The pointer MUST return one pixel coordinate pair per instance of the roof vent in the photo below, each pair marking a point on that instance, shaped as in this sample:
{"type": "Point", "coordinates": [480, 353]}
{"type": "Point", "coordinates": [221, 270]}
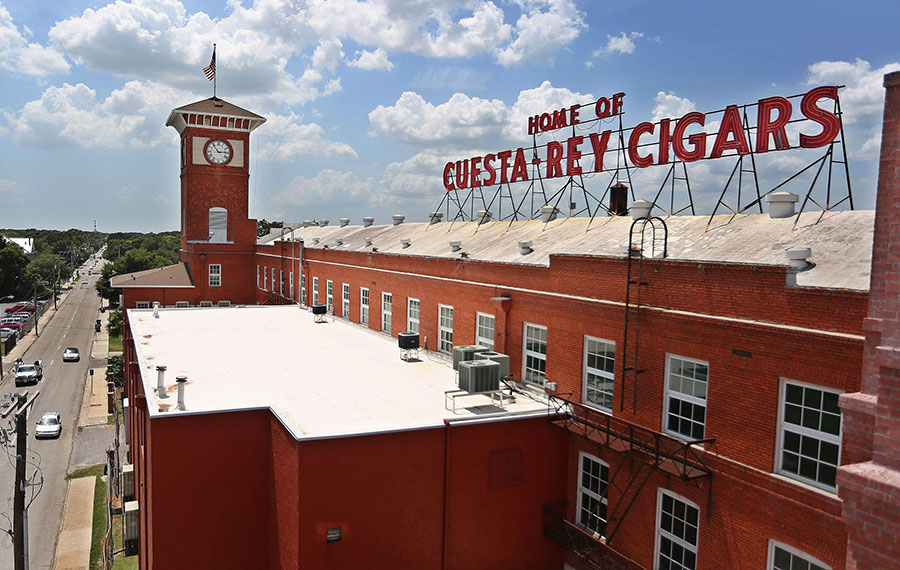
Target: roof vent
{"type": "Point", "coordinates": [640, 209]}
{"type": "Point", "coordinates": [160, 381]}
{"type": "Point", "coordinates": [368, 242]}
{"type": "Point", "coordinates": [344, 222]}
{"type": "Point", "coordinates": [323, 223]}
{"type": "Point", "coordinates": [405, 243]}
{"type": "Point", "coordinates": [181, 380]}
{"type": "Point", "coordinates": [455, 245]}
{"type": "Point", "coordinates": [548, 213]}
{"type": "Point", "coordinates": [315, 240]}
{"type": "Point", "coordinates": [781, 204]}
{"type": "Point", "coordinates": [368, 221]}
{"type": "Point", "coordinates": [398, 219]}
{"type": "Point", "coordinates": [306, 223]}
{"type": "Point", "coordinates": [339, 242]}
{"type": "Point", "coordinates": [798, 258]}
{"type": "Point", "coordinates": [155, 309]}
{"type": "Point", "coordinates": [484, 216]}
{"type": "Point", "coordinates": [618, 199]}
{"type": "Point", "coordinates": [525, 247]}
{"type": "Point", "coordinates": [435, 217]}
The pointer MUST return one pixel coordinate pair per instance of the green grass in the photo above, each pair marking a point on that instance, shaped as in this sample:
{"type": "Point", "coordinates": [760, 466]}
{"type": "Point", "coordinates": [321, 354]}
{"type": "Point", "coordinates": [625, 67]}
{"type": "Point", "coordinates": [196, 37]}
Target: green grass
{"type": "Point", "coordinates": [122, 563]}
{"type": "Point", "coordinates": [92, 471]}
{"type": "Point", "coordinates": [98, 532]}
{"type": "Point", "coordinates": [115, 343]}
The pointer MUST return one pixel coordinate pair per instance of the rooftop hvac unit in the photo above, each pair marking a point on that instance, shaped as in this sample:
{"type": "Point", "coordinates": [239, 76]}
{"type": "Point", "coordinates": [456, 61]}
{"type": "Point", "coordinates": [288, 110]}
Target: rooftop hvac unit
{"type": "Point", "coordinates": [479, 375]}
{"type": "Point", "coordinates": [128, 481]}
{"type": "Point", "coordinates": [132, 531]}
{"type": "Point", "coordinates": [319, 312]}
{"type": "Point", "coordinates": [408, 340]}
{"type": "Point", "coordinates": [464, 353]}
{"type": "Point", "coordinates": [501, 359]}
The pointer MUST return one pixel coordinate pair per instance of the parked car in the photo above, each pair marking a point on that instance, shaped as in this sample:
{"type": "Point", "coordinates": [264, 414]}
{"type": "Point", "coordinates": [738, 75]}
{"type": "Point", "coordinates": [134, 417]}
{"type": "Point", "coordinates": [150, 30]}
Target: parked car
{"type": "Point", "coordinates": [50, 425]}
{"type": "Point", "coordinates": [11, 325]}
{"type": "Point", "coordinates": [84, 281]}
{"type": "Point", "coordinates": [71, 355]}
{"type": "Point", "coordinates": [29, 373]}
{"type": "Point", "coordinates": [5, 332]}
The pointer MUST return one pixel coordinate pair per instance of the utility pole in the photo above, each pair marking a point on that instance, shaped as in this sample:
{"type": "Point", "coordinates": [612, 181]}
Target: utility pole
{"type": "Point", "coordinates": [20, 517]}
{"type": "Point", "coordinates": [55, 285]}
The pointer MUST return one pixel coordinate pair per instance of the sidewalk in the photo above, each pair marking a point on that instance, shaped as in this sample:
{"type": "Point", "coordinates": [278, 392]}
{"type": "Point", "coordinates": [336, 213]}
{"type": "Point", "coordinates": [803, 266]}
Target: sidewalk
{"type": "Point", "coordinates": [100, 347]}
{"type": "Point", "coordinates": [94, 406]}
{"type": "Point", "coordinates": [26, 341]}
{"type": "Point", "coordinates": [74, 548]}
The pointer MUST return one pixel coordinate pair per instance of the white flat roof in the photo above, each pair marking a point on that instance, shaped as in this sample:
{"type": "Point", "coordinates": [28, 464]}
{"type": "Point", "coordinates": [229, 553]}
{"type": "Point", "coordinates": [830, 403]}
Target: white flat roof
{"type": "Point", "coordinates": [322, 380]}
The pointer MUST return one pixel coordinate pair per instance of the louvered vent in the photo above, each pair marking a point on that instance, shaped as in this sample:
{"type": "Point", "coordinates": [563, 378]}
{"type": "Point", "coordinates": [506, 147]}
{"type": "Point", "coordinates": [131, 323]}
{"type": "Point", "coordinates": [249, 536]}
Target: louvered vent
{"type": "Point", "coordinates": [505, 468]}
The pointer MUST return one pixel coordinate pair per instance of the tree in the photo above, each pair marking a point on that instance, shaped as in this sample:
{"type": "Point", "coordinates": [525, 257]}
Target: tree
{"type": "Point", "coordinates": [114, 326]}
{"type": "Point", "coordinates": [131, 261]}
{"type": "Point", "coordinates": [115, 367]}
{"type": "Point", "coordinates": [13, 263]}
{"type": "Point", "coordinates": [263, 226]}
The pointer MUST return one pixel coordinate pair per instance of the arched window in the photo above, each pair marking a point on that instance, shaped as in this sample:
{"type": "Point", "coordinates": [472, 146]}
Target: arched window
{"type": "Point", "coordinates": [218, 225]}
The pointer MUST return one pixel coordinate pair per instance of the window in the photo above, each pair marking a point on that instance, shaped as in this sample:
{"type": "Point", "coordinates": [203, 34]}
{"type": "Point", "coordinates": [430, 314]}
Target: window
{"type": "Point", "coordinates": [273, 279]}
{"type": "Point", "coordinates": [484, 330]}
{"type": "Point", "coordinates": [329, 295]}
{"type": "Point", "coordinates": [224, 303]}
{"type": "Point", "coordinates": [265, 279]}
{"type": "Point", "coordinates": [386, 302]}
{"type": "Point", "coordinates": [810, 429]}
{"type": "Point", "coordinates": [315, 290]}
{"type": "Point", "coordinates": [445, 329]}
{"type": "Point", "coordinates": [257, 276]}
{"type": "Point", "coordinates": [599, 373]}
{"type": "Point", "coordinates": [412, 315]}
{"type": "Point", "coordinates": [784, 557]}
{"type": "Point", "coordinates": [345, 300]}
{"type": "Point", "coordinates": [685, 410]}
{"type": "Point", "coordinates": [218, 225]}
{"type": "Point", "coordinates": [215, 275]}
{"type": "Point", "coordinates": [281, 282]}
{"type": "Point", "coordinates": [291, 290]}
{"type": "Point", "coordinates": [206, 303]}
{"type": "Point", "coordinates": [142, 305]}
{"type": "Point", "coordinates": [302, 289]}
{"type": "Point", "coordinates": [593, 482]}
{"type": "Point", "coordinates": [677, 529]}
{"type": "Point", "coordinates": [182, 304]}
{"type": "Point", "coordinates": [534, 357]}
{"type": "Point", "coordinates": [363, 306]}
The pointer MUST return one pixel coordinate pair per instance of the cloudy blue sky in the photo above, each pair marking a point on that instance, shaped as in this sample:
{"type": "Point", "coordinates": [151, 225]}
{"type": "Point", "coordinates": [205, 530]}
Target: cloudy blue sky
{"type": "Point", "coordinates": [366, 100]}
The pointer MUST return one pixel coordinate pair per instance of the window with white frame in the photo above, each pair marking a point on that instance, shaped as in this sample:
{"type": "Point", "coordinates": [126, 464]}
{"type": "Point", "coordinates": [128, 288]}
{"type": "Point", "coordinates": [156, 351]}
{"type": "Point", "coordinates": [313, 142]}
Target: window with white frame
{"type": "Point", "coordinates": [677, 531]}
{"type": "Point", "coordinates": [534, 353]}
{"type": "Point", "coordinates": [345, 300]}
{"type": "Point", "coordinates": [484, 330]}
{"type": "Point", "coordinates": [281, 282]}
{"type": "Point", "coordinates": [685, 409]}
{"type": "Point", "coordinates": [265, 279]}
{"type": "Point", "coordinates": [387, 300]}
{"type": "Point", "coordinates": [273, 280]}
{"type": "Point", "coordinates": [182, 304]}
{"type": "Point", "coordinates": [315, 291]}
{"type": "Point", "coordinates": [412, 315]}
{"type": "Point", "coordinates": [810, 433]}
{"type": "Point", "coordinates": [142, 305]}
{"type": "Point", "coordinates": [206, 303]}
{"type": "Point", "coordinates": [291, 289]}
{"type": "Point", "coordinates": [329, 295]}
{"type": "Point", "coordinates": [363, 306]}
{"type": "Point", "coordinates": [599, 373]}
{"type": "Point", "coordinates": [445, 329]}
{"type": "Point", "coordinates": [593, 482]}
{"type": "Point", "coordinates": [224, 303]}
{"type": "Point", "coordinates": [215, 275]}
{"type": "Point", "coordinates": [302, 289]}
{"type": "Point", "coordinates": [257, 276]}
{"type": "Point", "coordinates": [784, 557]}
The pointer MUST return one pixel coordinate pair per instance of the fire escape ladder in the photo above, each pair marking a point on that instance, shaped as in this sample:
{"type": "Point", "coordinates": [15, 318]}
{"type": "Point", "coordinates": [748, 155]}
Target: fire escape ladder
{"type": "Point", "coordinates": [636, 482]}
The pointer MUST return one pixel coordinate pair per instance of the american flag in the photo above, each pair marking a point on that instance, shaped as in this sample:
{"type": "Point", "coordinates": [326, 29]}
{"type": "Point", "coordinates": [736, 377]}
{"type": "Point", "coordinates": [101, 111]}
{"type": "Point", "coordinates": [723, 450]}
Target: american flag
{"type": "Point", "coordinates": [210, 70]}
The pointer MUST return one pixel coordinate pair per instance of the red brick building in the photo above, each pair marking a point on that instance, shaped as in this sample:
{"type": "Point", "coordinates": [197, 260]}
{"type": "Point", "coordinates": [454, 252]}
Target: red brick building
{"type": "Point", "coordinates": [671, 410]}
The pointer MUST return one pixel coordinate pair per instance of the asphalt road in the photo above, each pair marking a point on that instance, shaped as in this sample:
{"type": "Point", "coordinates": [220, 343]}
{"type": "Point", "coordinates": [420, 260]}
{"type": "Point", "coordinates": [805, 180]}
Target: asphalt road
{"type": "Point", "coordinates": [61, 390]}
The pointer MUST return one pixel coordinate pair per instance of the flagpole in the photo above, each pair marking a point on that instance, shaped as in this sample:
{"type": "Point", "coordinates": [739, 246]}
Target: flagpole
{"type": "Point", "coordinates": [214, 74]}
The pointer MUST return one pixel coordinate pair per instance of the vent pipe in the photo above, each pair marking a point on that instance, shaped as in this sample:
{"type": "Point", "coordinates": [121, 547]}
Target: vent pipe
{"type": "Point", "coordinates": [618, 200]}
{"type": "Point", "coordinates": [548, 213]}
{"type": "Point", "coordinates": [640, 209]}
{"type": "Point", "coordinates": [161, 381]}
{"type": "Point", "coordinates": [484, 216]}
{"type": "Point", "coordinates": [339, 241]}
{"type": "Point", "coordinates": [155, 309]}
{"type": "Point", "coordinates": [525, 247]}
{"type": "Point", "coordinates": [368, 242]}
{"type": "Point", "coordinates": [181, 380]}
{"type": "Point", "coordinates": [368, 221]}
{"type": "Point", "coordinates": [405, 242]}
{"type": "Point", "coordinates": [435, 217]}
{"type": "Point", "coordinates": [344, 222]}
{"type": "Point", "coordinates": [781, 204]}
{"type": "Point", "coordinates": [323, 223]}
{"type": "Point", "coordinates": [455, 245]}
{"type": "Point", "coordinates": [315, 241]}
{"type": "Point", "coordinates": [798, 258]}
{"type": "Point", "coordinates": [398, 219]}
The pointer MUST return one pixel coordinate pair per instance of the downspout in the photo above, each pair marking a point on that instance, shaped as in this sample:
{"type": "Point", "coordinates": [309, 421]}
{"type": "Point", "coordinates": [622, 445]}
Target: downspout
{"type": "Point", "coordinates": [300, 276]}
{"type": "Point", "coordinates": [446, 523]}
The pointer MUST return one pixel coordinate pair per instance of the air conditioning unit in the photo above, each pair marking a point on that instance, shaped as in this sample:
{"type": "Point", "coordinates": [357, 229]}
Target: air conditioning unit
{"type": "Point", "coordinates": [128, 481]}
{"type": "Point", "coordinates": [479, 376]}
{"type": "Point", "coordinates": [408, 340]}
{"type": "Point", "coordinates": [132, 531]}
{"type": "Point", "coordinates": [466, 352]}
{"type": "Point", "coordinates": [502, 359]}
{"type": "Point", "coordinates": [319, 309]}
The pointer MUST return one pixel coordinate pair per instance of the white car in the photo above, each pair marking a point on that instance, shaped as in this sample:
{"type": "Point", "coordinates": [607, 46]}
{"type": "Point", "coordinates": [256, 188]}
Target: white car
{"type": "Point", "coordinates": [71, 355]}
{"type": "Point", "coordinates": [84, 281]}
{"type": "Point", "coordinates": [50, 425]}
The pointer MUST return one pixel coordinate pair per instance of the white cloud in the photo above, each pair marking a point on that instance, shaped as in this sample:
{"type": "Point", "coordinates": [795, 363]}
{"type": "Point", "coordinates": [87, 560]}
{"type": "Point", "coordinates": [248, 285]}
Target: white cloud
{"type": "Point", "coordinates": [328, 54]}
{"type": "Point", "coordinates": [620, 44]}
{"type": "Point", "coordinates": [286, 137]}
{"type": "Point", "coordinates": [325, 187]}
{"type": "Point", "coordinates": [671, 105]}
{"type": "Point", "coordinates": [372, 60]}
{"type": "Point", "coordinates": [540, 33]}
{"type": "Point", "coordinates": [18, 55]}
{"type": "Point", "coordinates": [863, 97]}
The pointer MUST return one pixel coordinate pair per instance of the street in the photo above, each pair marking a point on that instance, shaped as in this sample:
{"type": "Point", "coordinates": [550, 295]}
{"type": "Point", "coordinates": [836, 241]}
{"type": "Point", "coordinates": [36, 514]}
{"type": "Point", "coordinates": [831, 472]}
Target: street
{"type": "Point", "coordinates": [61, 390]}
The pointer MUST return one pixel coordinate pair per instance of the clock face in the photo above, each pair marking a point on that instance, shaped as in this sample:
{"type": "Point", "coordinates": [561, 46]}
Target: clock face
{"type": "Point", "coordinates": [218, 151]}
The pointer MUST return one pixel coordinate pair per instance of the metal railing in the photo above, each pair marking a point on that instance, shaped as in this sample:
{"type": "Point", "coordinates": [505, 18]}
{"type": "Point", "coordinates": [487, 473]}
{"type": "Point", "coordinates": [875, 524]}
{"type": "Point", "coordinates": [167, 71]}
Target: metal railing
{"type": "Point", "coordinates": [590, 548]}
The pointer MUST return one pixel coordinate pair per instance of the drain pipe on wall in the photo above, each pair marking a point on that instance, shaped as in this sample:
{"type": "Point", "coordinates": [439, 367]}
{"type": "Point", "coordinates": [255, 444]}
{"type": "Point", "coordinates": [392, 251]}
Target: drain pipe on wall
{"type": "Point", "coordinates": [446, 523]}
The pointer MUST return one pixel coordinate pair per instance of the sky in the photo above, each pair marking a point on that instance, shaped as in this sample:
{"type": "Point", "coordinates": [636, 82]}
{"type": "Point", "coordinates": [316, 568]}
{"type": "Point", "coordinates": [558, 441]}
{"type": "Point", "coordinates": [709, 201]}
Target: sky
{"type": "Point", "coordinates": [367, 100]}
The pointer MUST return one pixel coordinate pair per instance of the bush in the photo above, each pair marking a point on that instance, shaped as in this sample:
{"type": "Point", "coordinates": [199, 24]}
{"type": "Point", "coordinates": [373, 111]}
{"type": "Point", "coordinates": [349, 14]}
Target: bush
{"type": "Point", "coordinates": [115, 367]}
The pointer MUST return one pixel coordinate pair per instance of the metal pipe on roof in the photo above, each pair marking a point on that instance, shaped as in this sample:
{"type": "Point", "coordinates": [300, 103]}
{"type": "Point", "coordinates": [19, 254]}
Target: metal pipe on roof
{"type": "Point", "coordinates": [181, 380]}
